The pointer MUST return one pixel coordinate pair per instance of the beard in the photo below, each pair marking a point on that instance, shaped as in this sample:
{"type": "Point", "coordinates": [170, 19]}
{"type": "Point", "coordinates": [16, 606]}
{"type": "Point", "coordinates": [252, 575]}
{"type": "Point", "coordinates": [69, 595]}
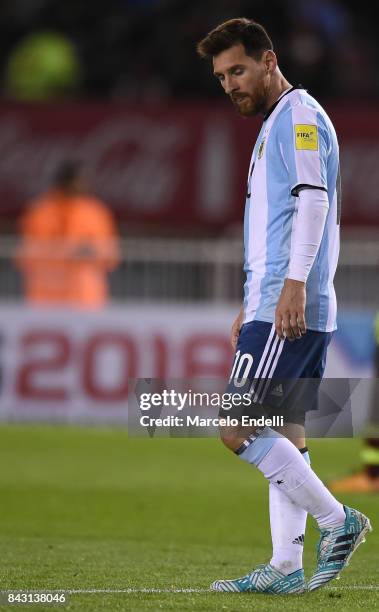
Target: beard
{"type": "Point", "coordinates": [249, 105]}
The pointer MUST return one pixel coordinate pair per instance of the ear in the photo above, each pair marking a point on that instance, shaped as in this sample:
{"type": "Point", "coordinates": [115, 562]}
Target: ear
{"type": "Point", "coordinates": [270, 61]}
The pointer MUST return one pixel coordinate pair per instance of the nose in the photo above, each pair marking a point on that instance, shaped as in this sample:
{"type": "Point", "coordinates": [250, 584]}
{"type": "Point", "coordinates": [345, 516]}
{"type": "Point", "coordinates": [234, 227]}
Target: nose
{"type": "Point", "coordinates": [230, 85]}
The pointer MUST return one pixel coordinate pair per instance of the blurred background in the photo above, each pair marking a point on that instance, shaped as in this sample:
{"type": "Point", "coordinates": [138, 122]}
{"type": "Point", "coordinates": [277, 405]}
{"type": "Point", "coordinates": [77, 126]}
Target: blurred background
{"type": "Point", "coordinates": [122, 184]}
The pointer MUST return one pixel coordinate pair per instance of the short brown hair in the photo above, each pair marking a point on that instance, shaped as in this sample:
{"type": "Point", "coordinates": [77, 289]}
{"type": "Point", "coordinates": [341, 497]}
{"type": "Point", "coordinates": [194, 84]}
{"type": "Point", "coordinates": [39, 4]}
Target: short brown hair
{"type": "Point", "coordinates": [243, 31]}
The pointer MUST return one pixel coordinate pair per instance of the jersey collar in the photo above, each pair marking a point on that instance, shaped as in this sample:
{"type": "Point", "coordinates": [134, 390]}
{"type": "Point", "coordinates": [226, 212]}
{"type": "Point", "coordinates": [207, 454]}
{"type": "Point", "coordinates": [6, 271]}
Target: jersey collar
{"type": "Point", "coordinates": [273, 107]}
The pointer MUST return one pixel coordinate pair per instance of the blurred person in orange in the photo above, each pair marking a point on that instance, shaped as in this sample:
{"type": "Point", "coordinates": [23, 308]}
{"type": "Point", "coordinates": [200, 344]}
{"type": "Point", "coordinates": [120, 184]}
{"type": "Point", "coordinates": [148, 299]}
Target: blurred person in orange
{"type": "Point", "coordinates": [69, 244]}
{"type": "Point", "coordinates": [366, 478]}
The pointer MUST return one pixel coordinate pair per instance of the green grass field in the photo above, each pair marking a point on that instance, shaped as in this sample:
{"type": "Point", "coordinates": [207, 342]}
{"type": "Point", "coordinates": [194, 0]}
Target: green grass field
{"type": "Point", "coordinates": [88, 509]}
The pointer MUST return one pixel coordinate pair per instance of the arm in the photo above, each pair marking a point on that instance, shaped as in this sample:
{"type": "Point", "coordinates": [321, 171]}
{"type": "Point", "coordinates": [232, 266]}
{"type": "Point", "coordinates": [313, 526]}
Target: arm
{"type": "Point", "coordinates": [99, 242]}
{"type": "Point", "coordinates": [308, 231]}
{"type": "Point", "coordinates": [304, 143]}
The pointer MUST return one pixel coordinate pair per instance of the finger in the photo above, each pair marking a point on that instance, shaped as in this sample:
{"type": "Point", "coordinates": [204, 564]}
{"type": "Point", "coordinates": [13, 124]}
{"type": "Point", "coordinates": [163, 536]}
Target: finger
{"type": "Point", "coordinates": [288, 333]}
{"type": "Point", "coordinates": [294, 326]}
{"type": "Point", "coordinates": [234, 338]}
{"type": "Point", "coordinates": [301, 323]}
{"type": "Point", "coordinates": [279, 326]}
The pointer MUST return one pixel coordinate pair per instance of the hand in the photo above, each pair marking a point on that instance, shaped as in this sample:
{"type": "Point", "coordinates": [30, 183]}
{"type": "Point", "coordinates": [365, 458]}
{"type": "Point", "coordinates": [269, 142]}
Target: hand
{"type": "Point", "coordinates": [84, 251]}
{"type": "Point", "coordinates": [290, 310]}
{"type": "Point", "coordinates": [235, 331]}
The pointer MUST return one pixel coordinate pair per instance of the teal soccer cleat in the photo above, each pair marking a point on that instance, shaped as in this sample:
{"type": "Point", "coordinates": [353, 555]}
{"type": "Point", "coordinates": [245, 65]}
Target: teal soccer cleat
{"type": "Point", "coordinates": [264, 579]}
{"type": "Point", "coordinates": [336, 546]}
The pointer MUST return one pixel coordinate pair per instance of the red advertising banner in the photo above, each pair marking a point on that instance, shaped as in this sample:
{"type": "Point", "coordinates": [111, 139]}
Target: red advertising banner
{"type": "Point", "coordinates": [178, 165]}
{"type": "Point", "coordinates": [74, 365]}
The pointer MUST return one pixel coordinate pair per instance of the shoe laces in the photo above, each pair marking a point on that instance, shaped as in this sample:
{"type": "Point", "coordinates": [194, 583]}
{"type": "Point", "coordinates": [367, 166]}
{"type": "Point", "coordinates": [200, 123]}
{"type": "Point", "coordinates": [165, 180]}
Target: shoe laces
{"type": "Point", "coordinates": [324, 541]}
{"type": "Point", "coordinates": [262, 568]}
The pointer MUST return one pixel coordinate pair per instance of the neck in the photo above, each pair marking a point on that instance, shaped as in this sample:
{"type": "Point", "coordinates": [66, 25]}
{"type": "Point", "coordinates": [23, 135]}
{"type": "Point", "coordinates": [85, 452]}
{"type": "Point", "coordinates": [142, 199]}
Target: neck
{"type": "Point", "coordinates": [278, 85]}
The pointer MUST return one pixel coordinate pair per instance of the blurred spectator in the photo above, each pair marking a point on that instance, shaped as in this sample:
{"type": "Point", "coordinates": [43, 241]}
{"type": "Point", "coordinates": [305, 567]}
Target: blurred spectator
{"type": "Point", "coordinates": [68, 244]}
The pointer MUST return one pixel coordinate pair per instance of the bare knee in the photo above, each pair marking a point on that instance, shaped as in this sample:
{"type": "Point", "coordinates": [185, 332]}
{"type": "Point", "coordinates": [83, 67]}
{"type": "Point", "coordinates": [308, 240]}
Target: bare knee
{"type": "Point", "coordinates": [234, 437]}
{"type": "Point", "coordinates": [231, 442]}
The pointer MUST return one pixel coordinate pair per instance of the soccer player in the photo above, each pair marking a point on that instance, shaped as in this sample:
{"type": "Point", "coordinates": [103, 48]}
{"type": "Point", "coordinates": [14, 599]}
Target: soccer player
{"type": "Point", "coordinates": [291, 234]}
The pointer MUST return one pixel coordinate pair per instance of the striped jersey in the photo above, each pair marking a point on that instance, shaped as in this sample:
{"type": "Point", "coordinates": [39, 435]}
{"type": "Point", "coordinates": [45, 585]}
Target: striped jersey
{"type": "Point", "coordinates": [296, 147]}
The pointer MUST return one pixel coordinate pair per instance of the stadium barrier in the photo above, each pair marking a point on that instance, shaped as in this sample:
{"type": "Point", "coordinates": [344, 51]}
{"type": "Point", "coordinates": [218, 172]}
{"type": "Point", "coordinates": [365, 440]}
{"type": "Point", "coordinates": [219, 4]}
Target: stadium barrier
{"type": "Point", "coordinates": [203, 270]}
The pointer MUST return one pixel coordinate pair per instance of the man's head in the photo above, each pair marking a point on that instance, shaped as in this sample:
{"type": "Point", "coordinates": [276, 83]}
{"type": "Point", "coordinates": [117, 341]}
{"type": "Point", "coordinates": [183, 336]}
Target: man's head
{"type": "Point", "coordinates": [71, 178]}
{"type": "Point", "coordinates": [243, 61]}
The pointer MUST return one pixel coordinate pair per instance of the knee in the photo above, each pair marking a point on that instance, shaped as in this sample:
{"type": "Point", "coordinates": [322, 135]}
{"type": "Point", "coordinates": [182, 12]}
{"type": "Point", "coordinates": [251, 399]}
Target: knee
{"type": "Point", "coordinates": [231, 438]}
{"type": "Point", "coordinates": [234, 437]}
{"type": "Point", "coordinates": [229, 441]}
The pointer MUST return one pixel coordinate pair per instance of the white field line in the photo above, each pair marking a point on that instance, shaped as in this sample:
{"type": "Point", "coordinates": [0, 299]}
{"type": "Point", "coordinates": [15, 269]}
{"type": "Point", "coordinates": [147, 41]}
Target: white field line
{"type": "Point", "coordinates": [356, 587]}
{"type": "Point", "coordinates": [353, 587]}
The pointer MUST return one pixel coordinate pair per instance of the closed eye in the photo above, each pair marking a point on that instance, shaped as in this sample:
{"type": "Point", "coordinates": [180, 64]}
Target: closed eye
{"type": "Point", "coordinates": [234, 71]}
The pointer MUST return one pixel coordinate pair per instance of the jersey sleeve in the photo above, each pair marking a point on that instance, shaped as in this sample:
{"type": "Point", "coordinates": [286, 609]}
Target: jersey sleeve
{"type": "Point", "coordinates": [303, 141]}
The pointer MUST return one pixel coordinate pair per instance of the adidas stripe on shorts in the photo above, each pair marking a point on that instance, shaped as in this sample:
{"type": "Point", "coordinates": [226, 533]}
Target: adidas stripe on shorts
{"type": "Point", "coordinates": [278, 374]}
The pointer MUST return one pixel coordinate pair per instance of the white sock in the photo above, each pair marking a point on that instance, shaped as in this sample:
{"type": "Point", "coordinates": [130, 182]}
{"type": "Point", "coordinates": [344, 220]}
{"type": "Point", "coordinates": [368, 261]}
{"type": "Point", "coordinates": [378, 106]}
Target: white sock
{"type": "Point", "coordinates": [287, 521]}
{"type": "Point", "coordinates": [282, 464]}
